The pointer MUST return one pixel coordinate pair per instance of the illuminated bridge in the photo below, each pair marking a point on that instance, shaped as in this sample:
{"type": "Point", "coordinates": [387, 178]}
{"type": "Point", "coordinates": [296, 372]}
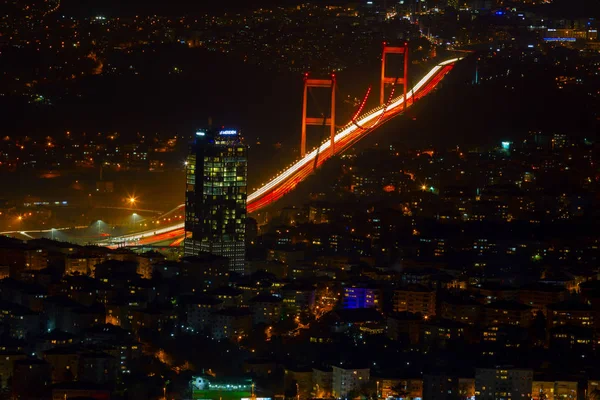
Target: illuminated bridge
{"type": "Point", "coordinates": [347, 136]}
{"type": "Point", "coordinates": [359, 126]}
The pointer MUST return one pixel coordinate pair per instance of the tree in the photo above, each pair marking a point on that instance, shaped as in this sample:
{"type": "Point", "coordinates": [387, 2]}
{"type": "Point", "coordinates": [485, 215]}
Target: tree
{"type": "Point", "coordinates": [538, 329]}
{"type": "Point", "coordinates": [401, 391]}
{"type": "Point", "coordinates": [368, 391]}
{"type": "Point", "coordinates": [68, 375]}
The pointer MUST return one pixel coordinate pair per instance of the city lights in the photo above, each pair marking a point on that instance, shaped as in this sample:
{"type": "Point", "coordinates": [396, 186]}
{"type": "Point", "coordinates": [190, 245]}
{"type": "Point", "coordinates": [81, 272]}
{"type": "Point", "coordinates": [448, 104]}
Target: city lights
{"type": "Point", "coordinates": [432, 234]}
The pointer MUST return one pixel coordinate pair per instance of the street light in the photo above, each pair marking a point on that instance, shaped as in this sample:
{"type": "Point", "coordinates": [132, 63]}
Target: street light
{"type": "Point", "coordinates": [101, 227]}
{"type": "Point", "coordinates": [134, 217]}
{"type": "Point", "coordinates": [132, 200]}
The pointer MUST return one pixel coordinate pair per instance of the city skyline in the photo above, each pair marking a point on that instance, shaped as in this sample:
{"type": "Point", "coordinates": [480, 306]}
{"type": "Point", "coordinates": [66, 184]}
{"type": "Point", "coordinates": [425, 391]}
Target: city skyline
{"type": "Point", "coordinates": [391, 200]}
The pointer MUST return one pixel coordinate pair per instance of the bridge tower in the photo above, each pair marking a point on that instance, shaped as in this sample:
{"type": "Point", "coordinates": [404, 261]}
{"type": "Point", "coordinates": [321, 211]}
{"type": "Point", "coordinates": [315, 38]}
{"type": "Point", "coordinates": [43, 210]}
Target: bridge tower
{"type": "Point", "coordinates": [394, 80]}
{"type": "Point", "coordinates": [318, 83]}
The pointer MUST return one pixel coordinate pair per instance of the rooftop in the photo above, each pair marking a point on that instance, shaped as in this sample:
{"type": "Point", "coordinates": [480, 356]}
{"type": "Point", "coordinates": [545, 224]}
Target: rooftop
{"type": "Point", "coordinates": [357, 315]}
{"type": "Point", "coordinates": [266, 298]}
{"type": "Point", "coordinates": [508, 305]}
{"type": "Point", "coordinates": [570, 305]}
{"type": "Point", "coordinates": [234, 312]}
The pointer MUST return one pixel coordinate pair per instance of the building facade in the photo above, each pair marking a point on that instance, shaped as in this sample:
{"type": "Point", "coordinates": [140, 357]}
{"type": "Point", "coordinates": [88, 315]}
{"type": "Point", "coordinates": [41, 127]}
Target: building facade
{"type": "Point", "coordinates": [551, 390]}
{"type": "Point", "coordinates": [503, 383]}
{"type": "Point", "coordinates": [216, 191]}
{"type": "Point", "coordinates": [414, 299]}
{"type": "Point", "coordinates": [346, 380]}
{"type": "Point", "coordinates": [362, 297]}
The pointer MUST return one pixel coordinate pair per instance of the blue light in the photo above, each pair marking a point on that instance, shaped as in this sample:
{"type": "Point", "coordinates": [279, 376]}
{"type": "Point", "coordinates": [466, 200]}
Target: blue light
{"type": "Point", "coordinates": [559, 39]}
{"type": "Point", "coordinates": [228, 132]}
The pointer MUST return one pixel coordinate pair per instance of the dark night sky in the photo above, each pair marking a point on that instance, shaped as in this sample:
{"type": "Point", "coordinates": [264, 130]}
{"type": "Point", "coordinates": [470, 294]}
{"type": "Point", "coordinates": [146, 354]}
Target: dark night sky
{"type": "Point", "coordinates": [560, 8]}
{"type": "Point", "coordinates": [164, 7]}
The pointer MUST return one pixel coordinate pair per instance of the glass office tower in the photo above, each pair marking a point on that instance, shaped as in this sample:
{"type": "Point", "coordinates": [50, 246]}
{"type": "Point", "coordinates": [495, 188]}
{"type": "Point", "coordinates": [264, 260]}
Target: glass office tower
{"type": "Point", "coordinates": [215, 197]}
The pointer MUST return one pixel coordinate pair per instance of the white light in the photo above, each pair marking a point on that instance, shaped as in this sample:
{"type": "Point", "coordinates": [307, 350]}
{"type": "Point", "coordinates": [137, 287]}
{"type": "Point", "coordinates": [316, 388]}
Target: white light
{"type": "Point", "coordinates": [150, 233]}
{"type": "Point", "coordinates": [228, 132]}
{"type": "Point", "coordinates": [200, 133]}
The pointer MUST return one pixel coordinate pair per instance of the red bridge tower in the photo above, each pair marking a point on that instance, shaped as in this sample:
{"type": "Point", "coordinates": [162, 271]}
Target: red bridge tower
{"type": "Point", "coordinates": [318, 83]}
{"type": "Point", "coordinates": [393, 80]}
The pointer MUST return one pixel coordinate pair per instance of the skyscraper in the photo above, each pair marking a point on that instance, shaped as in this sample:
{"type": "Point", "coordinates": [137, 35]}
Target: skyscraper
{"type": "Point", "coordinates": [215, 199]}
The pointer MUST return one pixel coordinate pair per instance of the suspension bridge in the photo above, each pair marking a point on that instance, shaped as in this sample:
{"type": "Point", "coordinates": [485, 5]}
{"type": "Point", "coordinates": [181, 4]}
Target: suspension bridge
{"type": "Point", "coordinates": [361, 124]}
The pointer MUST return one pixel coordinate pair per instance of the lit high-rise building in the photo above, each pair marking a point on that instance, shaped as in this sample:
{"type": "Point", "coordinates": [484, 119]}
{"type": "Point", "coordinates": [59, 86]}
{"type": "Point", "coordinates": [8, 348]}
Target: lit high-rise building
{"type": "Point", "coordinates": [215, 197]}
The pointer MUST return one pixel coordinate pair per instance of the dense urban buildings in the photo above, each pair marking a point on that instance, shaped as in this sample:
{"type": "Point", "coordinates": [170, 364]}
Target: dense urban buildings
{"type": "Point", "coordinates": [216, 191]}
{"type": "Point", "coordinates": [450, 253]}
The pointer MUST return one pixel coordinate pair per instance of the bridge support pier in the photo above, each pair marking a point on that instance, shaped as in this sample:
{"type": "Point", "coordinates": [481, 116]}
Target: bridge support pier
{"type": "Point", "coordinates": [393, 80]}
{"type": "Point", "coordinates": [306, 121]}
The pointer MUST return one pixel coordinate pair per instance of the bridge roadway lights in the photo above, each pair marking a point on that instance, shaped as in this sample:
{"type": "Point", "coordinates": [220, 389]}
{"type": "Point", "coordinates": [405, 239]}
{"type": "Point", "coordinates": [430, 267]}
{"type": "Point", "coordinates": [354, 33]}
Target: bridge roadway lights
{"type": "Point", "coordinates": [275, 188]}
{"type": "Point", "coordinates": [393, 80]}
{"type": "Point", "coordinates": [317, 83]}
